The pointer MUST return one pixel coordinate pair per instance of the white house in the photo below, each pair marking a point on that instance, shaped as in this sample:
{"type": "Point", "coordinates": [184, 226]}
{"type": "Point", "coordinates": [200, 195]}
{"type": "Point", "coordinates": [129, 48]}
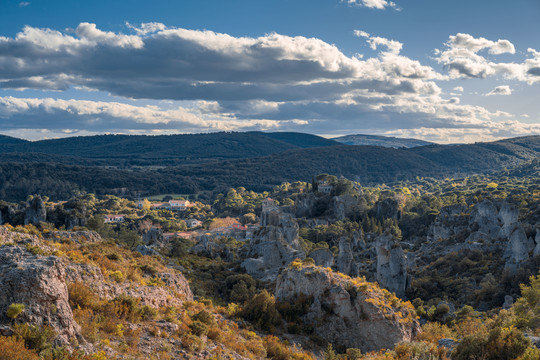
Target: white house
{"type": "Point", "coordinates": [114, 218]}
{"type": "Point", "coordinates": [179, 205]}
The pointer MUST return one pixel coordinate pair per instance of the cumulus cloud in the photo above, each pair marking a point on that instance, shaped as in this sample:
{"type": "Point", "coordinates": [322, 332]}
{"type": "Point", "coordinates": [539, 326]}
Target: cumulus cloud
{"type": "Point", "coordinates": [459, 89]}
{"type": "Point", "coordinates": [236, 83]}
{"type": "Point", "coordinates": [462, 59]}
{"type": "Point", "coordinates": [500, 90]}
{"type": "Point", "coordinates": [24, 3]}
{"type": "Point", "coordinates": [100, 116]}
{"type": "Point", "coordinates": [373, 4]}
{"type": "Point", "coordinates": [180, 64]}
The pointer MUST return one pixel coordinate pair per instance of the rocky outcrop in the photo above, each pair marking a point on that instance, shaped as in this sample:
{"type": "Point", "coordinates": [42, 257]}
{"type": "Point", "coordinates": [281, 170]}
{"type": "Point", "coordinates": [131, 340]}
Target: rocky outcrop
{"type": "Point", "coordinates": [153, 236]}
{"type": "Point", "coordinates": [273, 246]}
{"type": "Point", "coordinates": [518, 249]}
{"type": "Point", "coordinates": [345, 261]}
{"type": "Point", "coordinates": [174, 293]}
{"type": "Point", "coordinates": [322, 257]}
{"type": "Point", "coordinates": [391, 265]}
{"type": "Point", "coordinates": [35, 211]}
{"type": "Point", "coordinates": [38, 282]}
{"type": "Point", "coordinates": [76, 236]}
{"type": "Point", "coordinates": [342, 206]}
{"type": "Point", "coordinates": [347, 312]}
{"type": "Point", "coordinates": [537, 241]}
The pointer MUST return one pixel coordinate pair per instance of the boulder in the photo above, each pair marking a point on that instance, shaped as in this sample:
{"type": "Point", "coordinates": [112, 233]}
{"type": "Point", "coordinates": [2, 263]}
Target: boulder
{"type": "Point", "coordinates": [38, 282]}
{"type": "Point", "coordinates": [347, 312]}
{"type": "Point", "coordinates": [391, 265]}
{"type": "Point", "coordinates": [342, 206]}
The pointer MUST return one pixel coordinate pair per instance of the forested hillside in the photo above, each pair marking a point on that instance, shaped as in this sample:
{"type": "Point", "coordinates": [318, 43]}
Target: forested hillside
{"type": "Point", "coordinates": [57, 176]}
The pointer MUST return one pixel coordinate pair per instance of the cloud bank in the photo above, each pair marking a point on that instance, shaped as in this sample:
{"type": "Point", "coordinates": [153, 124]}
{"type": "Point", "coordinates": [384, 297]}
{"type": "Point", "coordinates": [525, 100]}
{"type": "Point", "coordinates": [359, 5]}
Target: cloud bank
{"type": "Point", "coordinates": [244, 83]}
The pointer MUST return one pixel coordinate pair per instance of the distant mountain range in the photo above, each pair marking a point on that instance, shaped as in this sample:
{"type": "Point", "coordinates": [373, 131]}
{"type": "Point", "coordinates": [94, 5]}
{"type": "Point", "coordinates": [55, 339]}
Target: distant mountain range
{"type": "Point", "coordinates": [215, 162]}
{"type": "Point", "coordinates": [385, 141]}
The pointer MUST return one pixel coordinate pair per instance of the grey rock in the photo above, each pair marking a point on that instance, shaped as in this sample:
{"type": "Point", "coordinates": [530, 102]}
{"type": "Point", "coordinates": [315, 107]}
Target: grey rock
{"type": "Point", "coordinates": [508, 302]}
{"type": "Point", "coordinates": [391, 265]}
{"type": "Point", "coordinates": [537, 241]}
{"type": "Point", "coordinates": [38, 282]}
{"type": "Point", "coordinates": [273, 246]}
{"type": "Point", "coordinates": [146, 250]}
{"type": "Point", "coordinates": [35, 212]}
{"type": "Point", "coordinates": [517, 249]}
{"type": "Point", "coordinates": [447, 343]}
{"type": "Point", "coordinates": [345, 260]}
{"type": "Point", "coordinates": [341, 316]}
{"type": "Point", "coordinates": [154, 236]}
{"type": "Point", "coordinates": [322, 257]}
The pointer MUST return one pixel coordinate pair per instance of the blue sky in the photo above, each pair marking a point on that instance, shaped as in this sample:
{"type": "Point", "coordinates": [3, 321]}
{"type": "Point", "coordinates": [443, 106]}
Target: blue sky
{"type": "Point", "coordinates": [445, 71]}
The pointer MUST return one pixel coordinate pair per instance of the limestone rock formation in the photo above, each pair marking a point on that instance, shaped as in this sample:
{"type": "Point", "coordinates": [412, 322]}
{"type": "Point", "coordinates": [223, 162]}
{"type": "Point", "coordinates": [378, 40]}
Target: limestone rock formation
{"type": "Point", "coordinates": [537, 241]}
{"type": "Point", "coordinates": [517, 249]}
{"type": "Point", "coordinates": [322, 257]}
{"type": "Point", "coordinates": [356, 314]}
{"type": "Point", "coordinates": [174, 293]}
{"type": "Point", "coordinates": [342, 206]}
{"type": "Point", "coordinates": [38, 282]}
{"type": "Point", "coordinates": [35, 211]}
{"type": "Point", "coordinates": [153, 236]}
{"type": "Point", "coordinates": [76, 236]}
{"type": "Point", "coordinates": [273, 246]}
{"type": "Point", "coordinates": [345, 260]}
{"type": "Point", "coordinates": [391, 265]}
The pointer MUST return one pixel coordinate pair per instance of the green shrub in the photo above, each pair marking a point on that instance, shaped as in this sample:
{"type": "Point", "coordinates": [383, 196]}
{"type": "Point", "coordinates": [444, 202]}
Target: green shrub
{"type": "Point", "coordinates": [262, 311]}
{"type": "Point", "coordinates": [198, 328]}
{"type": "Point", "coordinates": [14, 310]}
{"type": "Point", "coordinates": [204, 317]}
{"type": "Point", "coordinates": [35, 337]}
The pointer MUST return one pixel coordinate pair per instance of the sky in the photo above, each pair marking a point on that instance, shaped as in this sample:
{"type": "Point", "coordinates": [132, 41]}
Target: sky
{"type": "Point", "coordinates": [444, 71]}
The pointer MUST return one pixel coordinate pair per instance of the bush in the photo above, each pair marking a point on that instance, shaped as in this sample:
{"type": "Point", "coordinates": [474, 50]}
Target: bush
{"type": "Point", "coordinates": [81, 296]}
{"type": "Point", "coordinates": [198, 328]}
{"type": "Point", "coordinates": [204, 317]}
{"type": "Point", "coordinates": [501, 343]}
{"type": "Point", "coordinates": [14, 310]}
{"type": "Point", "coordinates": [35, 337]}
{"type": "Point", "coordinates": [262, 311]}
{"type": "Point", "coordinates": [13, 348]}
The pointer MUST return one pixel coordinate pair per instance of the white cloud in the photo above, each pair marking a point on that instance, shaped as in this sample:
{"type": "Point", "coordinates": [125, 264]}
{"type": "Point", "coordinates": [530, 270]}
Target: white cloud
{"type": "Point", "coordinates": [500, 90]}
{"type": "Point", "coordinates": [238, 83]}
{"type": "Point", "coordinates": [459, 89]}
{"type": "Point", "coordinates": [24, 3]}
{"type": "Point", "coordinates": [373, 4]}
{"type": "Point", "coordinates": [462, 59]}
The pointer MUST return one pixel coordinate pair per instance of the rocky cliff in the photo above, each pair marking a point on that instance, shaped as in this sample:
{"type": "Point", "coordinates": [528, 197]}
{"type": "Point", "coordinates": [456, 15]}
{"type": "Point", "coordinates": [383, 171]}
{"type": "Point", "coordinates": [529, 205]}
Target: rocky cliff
{"type": "Point", "coordinates": [348, 312]}
{"type": "Point", "coordinates": [273, 246]}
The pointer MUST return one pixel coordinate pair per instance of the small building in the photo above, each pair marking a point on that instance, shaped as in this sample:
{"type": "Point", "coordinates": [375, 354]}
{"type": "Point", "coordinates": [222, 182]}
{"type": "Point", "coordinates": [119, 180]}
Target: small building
{"type": "Point", "coordinates": [325, 188]}
{"type": "Point", "coordinates": [191, 223]}
{"type": "Point", "coordinates": [179, 205]}
{"type": "Point", "coordinates": [114, 218]}
{"type": "Point", "coordinates": [268, 203]}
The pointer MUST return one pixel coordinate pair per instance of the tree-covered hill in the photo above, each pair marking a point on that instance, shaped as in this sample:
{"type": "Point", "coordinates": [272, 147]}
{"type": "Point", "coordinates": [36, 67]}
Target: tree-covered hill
{"type": "Point", "coordinates": [23, 174]}
{"type": "Point", "coordinates": [126, 150]}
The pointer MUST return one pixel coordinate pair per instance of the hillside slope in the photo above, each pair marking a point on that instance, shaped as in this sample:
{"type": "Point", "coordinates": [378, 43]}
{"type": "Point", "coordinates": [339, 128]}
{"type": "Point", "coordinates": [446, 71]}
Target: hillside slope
{"type": "Point", "coordinates": [385, 141]}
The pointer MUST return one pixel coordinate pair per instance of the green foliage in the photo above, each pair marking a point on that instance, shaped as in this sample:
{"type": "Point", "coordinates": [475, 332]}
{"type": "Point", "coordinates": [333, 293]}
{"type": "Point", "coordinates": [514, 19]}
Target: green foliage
{"type": "Point", "coordinates": [35, 337]}
{"type": "Point", "coordinates": [501, 343]}
{"type": "Point", "coordinates": [262, 311]}
{"type": "Point", "coordinates": [204, 317]}
{"type": "Point", "coordinates": [14, 310]}
{"type": "Point", "coordinates": [198, 328]}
